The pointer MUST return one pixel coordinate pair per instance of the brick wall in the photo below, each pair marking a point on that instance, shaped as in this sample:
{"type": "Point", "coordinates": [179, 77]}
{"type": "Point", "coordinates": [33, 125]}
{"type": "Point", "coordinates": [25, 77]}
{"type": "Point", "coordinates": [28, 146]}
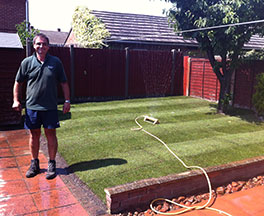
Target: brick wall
{"type": "Point", "coordinates": [71, 40]}
{"type": "Point", "coordinates": [141, 193]}
{"type": "Point", "coordinates": [12, 12]}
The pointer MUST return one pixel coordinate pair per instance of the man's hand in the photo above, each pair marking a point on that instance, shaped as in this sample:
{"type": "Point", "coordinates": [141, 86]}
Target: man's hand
{"type": "Point", "coordinates": [66, 107]}
{"type": "Point", "coordinates": [17, 106]}
{"type": "Point", "coordinates": [66, 92]}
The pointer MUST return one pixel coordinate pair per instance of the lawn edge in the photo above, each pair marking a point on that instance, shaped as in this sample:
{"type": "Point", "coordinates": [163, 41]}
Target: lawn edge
{"type": "Point", "coordinates": [139, 194]}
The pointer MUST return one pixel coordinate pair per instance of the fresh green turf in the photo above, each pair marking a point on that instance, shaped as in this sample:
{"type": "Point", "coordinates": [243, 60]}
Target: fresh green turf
{"type": "Point", "coordinates": [97, 142]}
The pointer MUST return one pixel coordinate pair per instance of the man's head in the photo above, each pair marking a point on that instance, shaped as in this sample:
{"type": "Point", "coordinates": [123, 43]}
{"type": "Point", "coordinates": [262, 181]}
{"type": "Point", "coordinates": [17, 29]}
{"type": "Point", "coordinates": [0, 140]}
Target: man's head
{"type": "Point", "coordinates": [41, 44]}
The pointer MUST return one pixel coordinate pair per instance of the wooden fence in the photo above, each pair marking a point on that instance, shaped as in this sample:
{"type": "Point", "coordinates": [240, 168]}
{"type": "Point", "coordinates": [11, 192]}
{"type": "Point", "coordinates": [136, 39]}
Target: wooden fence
{"type": "Point", "coordinates": [10, 60]}
{"type": "Point", "coordinates": [95, 74]}
{"type": "Point", "coordinates": [117, 74]}
{"type": "Point", "coordinates": [245, 80]}
{"type": "Point", "coordinates": [201, 81]}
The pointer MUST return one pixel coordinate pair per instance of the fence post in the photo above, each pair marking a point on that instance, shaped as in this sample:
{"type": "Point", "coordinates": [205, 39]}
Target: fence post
{"type": "Point", "coordinates": [186, 75]}
{"type": "Point", "coordinates": [72, 73]}
{"type": "Point", "coordinates": [203, 78]}
{"type": "Point", "coordinates": [127, 72]}
{"type": "Point", "coordinates": [173, 51]}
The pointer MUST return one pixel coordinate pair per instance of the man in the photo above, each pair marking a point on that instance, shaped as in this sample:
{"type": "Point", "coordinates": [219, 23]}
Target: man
{"type": "Point", "coordinates": [42, 73]}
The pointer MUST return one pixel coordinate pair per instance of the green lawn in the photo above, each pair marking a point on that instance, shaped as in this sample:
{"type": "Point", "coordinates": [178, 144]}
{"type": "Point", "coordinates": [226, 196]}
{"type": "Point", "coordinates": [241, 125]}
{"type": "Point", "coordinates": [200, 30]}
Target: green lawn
{"type": "Point", "coordinates": [97, 142]}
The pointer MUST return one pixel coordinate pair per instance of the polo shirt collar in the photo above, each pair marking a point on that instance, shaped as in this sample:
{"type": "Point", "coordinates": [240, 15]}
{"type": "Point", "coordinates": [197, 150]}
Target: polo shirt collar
{"type": "Point", "coordinates": [46, 58]}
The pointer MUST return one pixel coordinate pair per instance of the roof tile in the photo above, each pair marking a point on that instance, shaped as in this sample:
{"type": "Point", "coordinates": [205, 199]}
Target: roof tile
{"type": "Point", "coordinates": [139, 27]}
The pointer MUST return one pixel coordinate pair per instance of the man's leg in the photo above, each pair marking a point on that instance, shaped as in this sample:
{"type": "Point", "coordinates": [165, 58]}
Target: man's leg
{"type": "Point", "coordinates": [52, 149]}
{"type": "Point", "coordinates": [34, 142]}
{"type": "Point", "coordinates": [34, 148]}
{"type": "Point", "coordinates": [52, 142]}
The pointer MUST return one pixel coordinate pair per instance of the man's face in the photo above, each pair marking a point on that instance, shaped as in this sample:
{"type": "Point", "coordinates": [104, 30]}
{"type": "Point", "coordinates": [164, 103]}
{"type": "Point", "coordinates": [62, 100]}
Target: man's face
{"type": "Point", "coordinates": [41, 46]}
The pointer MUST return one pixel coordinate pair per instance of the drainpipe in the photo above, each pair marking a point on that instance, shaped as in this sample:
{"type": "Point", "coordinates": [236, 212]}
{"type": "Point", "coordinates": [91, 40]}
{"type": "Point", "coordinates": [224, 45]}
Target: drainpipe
{"type": "Point", "coordinates": [27, 29]}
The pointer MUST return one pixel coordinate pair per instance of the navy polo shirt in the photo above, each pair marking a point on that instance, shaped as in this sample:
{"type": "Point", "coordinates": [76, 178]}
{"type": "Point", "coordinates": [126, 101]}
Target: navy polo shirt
{"type": "Point", "coordinates": [42, 81]}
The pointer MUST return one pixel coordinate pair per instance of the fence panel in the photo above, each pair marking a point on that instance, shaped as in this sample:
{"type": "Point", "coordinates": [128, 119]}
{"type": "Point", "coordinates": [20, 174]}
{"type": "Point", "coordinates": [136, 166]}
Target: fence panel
{"type": "Point", "coordinates": [99, 73]}
{"type": "Point", "coordinates": [203, 81]}
{"type": "Point", "coordinates": [150, 73]}
{"type": "Point", "coordinates": [245, 80]}
{"type": "Point", "coordinates": [63, 53]}
{"type": "Point", "coordinates": [10, 60]}
{"type": "Point", "coordinates": [211, 84]}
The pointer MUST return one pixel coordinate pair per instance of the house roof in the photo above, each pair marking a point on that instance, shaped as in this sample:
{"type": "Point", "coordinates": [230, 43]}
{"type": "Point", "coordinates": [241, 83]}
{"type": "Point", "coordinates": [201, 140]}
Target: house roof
{"type": "Point", "coordinates": [56, 38]}
{"type": "Point", "coordinates": [10, 40]}
{"type": "Point", "coordinates": [133, 28]}
{"type": "Point", "coordinates": [256, 42]}
{"type": "Point", "coordinates": [125, 27]}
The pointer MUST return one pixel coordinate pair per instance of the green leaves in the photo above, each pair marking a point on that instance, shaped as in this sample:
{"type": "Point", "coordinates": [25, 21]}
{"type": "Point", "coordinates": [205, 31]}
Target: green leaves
{"type": "Point", "coordinates": [226, 42]}
{"type": "Point", "coordinates": [24, 34]}
{"type": "Point", "coordinates": [88, 29]}
{"type": "Point", "coordinates": [196, 14]}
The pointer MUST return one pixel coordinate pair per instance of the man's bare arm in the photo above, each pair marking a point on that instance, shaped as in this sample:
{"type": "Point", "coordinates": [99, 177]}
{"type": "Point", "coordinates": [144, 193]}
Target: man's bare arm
{"type": "Point", "coordinates": [66, 92]}
{"type": "Point", "coordinates": [16, 95]}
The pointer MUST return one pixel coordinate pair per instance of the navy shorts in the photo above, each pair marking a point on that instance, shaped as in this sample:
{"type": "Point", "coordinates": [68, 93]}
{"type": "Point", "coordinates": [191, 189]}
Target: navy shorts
{"type": "Point", "coordinates": [35, 118]}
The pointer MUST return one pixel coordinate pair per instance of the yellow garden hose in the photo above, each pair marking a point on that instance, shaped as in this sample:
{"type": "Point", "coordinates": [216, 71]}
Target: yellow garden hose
{"type": "Point", "coordinates": [186, 208]}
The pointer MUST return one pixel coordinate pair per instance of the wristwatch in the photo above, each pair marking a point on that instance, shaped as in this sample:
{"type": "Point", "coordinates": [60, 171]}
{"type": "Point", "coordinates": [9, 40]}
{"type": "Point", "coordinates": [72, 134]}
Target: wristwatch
{"type": "Point", "coordinates": [67, 101]}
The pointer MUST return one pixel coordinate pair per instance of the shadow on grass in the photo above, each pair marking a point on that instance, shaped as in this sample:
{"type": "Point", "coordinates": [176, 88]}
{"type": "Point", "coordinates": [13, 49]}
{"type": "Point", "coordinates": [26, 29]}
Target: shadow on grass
{"type": "Point", "coordinates": [95, 164]}
{"type": "Point", "coordinates": [63, 117]}
{"type": "Point", "coordinates": [244, 114]}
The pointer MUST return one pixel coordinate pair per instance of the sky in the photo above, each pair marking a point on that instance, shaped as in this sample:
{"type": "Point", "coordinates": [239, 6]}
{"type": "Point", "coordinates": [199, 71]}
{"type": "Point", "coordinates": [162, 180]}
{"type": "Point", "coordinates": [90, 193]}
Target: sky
{"type": "Point", "coordinates": [54, 14]}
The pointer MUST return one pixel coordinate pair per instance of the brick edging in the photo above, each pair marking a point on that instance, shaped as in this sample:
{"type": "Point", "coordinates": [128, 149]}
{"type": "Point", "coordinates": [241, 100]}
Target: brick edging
{"type": "Point", "coordinates": [139, 194]}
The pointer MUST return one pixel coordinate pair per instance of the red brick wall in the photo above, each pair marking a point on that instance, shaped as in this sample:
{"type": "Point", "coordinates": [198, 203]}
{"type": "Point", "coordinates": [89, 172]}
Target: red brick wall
{"type": "Point", "coordinates": [140, 194]}
{"type": "Point", "coordinates": [12, 12]}
{"type": "Point", "coordinates": [71, 40]}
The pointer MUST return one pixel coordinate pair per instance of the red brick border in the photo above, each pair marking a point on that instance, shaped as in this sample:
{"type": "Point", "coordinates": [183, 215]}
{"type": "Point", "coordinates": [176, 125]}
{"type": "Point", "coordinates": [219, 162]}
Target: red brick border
{"type": "Point", "coordinates": [139, 194]}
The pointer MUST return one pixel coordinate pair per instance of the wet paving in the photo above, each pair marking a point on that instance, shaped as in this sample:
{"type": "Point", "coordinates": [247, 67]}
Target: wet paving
{"type": "Point", "coordinates": [31, 196]}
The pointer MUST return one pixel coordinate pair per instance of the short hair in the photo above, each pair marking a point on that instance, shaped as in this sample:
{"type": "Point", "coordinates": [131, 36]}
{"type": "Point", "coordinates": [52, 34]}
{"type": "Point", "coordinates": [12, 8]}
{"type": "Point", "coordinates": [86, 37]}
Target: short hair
{"type": "Point", "coordinates": [40, 35]}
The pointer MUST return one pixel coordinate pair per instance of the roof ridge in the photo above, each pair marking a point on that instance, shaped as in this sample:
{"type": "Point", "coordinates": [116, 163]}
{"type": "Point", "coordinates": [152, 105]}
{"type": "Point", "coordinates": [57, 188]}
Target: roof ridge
{"type": "Point", "coordinates": [119, 13]}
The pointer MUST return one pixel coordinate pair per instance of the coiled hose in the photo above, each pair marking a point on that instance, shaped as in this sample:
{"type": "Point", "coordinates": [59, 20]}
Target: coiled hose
{"type": "Point", "coordinates": [186, 208]}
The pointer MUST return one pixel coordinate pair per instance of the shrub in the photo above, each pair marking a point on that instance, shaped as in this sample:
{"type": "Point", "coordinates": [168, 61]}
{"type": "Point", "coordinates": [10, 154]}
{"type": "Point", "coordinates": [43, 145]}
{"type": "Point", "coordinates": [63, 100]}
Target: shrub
{"type": "Point", "coordinates": [258, 96]}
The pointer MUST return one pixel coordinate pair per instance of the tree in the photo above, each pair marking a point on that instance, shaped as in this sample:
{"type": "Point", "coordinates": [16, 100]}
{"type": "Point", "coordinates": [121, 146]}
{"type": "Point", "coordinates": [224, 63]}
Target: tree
{"type": "Point", "coordinates": [88, 29]}
{"type": "Point", "coordinates": [24, 34]}
{"type": "Point", "coordinates": [225, 42]}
